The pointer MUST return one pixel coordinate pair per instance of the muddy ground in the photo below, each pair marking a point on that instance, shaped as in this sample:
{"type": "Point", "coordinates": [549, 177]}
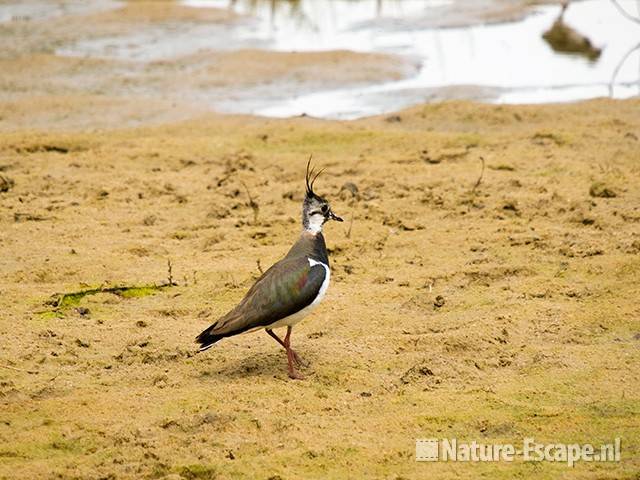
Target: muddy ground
{"type": "Point", "coordinates": [491, 306]}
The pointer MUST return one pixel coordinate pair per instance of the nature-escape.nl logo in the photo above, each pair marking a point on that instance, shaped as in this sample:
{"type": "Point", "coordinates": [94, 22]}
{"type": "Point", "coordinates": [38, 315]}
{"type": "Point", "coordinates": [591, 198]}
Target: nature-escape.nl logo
{"type": "Point", "coordinates": [450, 449]}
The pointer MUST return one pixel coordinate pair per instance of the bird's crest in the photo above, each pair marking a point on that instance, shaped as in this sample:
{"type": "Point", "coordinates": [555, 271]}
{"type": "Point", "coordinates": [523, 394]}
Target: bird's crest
{"type": "Point", "coordinates": [310, 177]}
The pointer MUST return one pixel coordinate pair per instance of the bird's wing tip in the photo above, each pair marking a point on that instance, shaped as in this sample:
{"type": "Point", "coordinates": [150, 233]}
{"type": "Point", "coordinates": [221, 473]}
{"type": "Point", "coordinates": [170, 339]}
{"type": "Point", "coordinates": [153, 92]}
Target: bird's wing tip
{"type": "Point", "coordinates": [205, 347]}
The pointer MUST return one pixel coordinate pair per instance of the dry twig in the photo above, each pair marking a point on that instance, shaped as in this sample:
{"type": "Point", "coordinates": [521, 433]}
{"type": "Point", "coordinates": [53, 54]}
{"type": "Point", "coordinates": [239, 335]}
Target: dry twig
{"type": "Point", "coordinates": [624, 12]}
{"type": "Point", "coordinates": [350, 226]}
{"type": "Point", "coordinates": [254, 206]}
{"type": "Point", "coordinates": [480, 177]}
{"type": "Point", "coordinates": [169, 273]}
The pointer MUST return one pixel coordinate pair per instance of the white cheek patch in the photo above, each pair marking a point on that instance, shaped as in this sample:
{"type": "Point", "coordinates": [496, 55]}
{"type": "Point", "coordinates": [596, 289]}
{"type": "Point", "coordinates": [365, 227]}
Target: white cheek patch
{"type": "Point", "coordinates": [315, 223]}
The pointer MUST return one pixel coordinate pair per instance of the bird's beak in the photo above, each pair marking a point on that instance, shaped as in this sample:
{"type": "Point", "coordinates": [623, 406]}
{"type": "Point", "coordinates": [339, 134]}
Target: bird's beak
{"type": "Point", "coordinates": [333, 216]}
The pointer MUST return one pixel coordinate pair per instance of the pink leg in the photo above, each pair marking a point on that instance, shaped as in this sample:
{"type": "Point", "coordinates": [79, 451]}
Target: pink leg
{"type": "Point", "coordinates": [296, 357]}
{"type": "Point", "coordinates": [290, 356]}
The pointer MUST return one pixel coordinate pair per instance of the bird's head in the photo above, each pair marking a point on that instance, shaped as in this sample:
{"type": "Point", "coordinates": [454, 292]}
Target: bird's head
{"type": "Point", "coordinates": [315, 209]}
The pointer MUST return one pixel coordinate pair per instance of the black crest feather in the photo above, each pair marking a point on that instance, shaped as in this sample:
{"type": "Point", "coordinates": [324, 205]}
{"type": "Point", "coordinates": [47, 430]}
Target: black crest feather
{"type": "Point", "coordinates": [310, 178]}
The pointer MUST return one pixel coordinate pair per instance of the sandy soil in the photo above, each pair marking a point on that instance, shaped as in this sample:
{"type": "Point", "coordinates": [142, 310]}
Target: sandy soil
{"type": "Point", "coordinates": [491, 311]}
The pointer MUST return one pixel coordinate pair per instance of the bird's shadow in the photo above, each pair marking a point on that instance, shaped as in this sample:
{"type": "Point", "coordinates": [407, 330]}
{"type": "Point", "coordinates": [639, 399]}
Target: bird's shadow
{"type": "Point", "coordinates": [257, 364]}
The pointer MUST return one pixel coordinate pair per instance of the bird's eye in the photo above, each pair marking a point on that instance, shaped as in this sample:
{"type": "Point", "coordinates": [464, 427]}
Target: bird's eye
{"type": "Point", "coordinates": [324, 208]}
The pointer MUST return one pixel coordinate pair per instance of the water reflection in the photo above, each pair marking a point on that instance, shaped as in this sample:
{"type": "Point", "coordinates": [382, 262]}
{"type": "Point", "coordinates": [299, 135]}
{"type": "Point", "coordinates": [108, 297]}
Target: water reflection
{"type": "Point", "coordinates": [564, 39]}
{"type": "Point", "coordinates": [558, 53]}
{"type": "Point", "coordinates": [488, 51]}
{"type": "Point", "coordinates": [292, 8]}
{"type": "Point", "coordinates": [295, 7]}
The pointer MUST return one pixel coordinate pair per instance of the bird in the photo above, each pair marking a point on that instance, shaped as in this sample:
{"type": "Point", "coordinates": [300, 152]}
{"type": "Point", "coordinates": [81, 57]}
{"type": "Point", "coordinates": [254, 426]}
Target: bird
{"type": "Point", "coordinates": [288, 291]}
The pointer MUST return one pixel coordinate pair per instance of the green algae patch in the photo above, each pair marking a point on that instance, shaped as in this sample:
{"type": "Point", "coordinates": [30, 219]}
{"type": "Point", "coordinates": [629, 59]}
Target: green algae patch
{"type": "Point", "coordinates": [62, 301]}
{"type": "Point", "coordinates": [51, 314]}
{"type": "Point", "coordinates": [142, 291]}
{"type": "Point", "coordinates": [197, 471]}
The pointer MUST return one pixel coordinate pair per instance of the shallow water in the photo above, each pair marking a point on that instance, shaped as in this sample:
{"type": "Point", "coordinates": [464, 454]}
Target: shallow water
{"type": "Point", "coordinates": [459, 56]}
{"type": "Point", "coordinates": [501, 62]}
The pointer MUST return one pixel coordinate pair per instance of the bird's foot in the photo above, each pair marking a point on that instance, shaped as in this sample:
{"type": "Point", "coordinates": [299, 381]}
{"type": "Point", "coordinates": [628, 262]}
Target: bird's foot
{"type": "Point", "coordinates": [295, 375]}
{"type": "Point", "coordinates": [299, 361]}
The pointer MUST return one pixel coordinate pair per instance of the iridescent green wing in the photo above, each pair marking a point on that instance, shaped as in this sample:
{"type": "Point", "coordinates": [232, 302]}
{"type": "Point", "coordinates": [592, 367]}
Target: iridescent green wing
{"type": "Point", "coordinates": [286, 288]}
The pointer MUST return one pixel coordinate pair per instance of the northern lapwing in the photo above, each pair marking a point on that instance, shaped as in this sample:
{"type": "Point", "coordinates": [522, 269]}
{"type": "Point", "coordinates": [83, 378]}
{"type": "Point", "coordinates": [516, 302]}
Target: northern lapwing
{"type": "Point", "coordinates": [290, 289]}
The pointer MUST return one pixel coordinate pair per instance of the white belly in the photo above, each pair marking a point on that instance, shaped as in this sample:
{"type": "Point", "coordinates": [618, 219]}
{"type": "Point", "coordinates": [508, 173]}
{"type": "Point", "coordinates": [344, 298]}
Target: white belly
{"type": "Point", "coordinates": [299, 315]}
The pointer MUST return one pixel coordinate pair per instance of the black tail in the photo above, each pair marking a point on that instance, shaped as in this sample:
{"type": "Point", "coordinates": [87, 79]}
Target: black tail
{"type": "Point", "coordinates": [207, 339]}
